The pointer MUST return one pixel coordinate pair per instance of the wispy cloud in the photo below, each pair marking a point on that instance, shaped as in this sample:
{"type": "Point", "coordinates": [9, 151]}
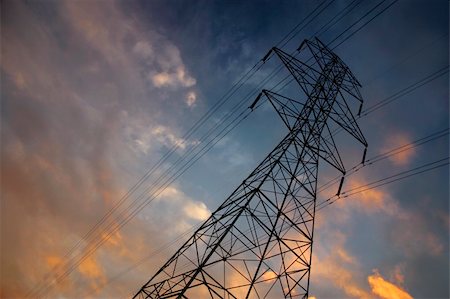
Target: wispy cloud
{"type": "Point", "coordinates": [192, 209]}
{"type": "Point", "coordinates": [73, 83]}
{"type": "Point", "coordinates": [339, 268]}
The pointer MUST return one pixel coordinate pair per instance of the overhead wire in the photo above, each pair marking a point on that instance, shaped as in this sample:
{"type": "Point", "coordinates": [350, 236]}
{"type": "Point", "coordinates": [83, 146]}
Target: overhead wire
{"type": "Point", "coordinates": [400, 149]}
{"type": "Point", "coordinates": [216, 142]}
{"type": "Point", "coordinates": [412, 54]}
{"type": "Point", "coordinates": [160, 162]}
{"type": "Point", "coordinates": [188, 134]}
{"type": "Point", "coordinates": [435, 75]}
{"type": "Point", "coordinates": [385, 156]}
{"type": "Point", "coordinates": [294, 30]}
{"type": "Point", "coordinates": [395, 151]}
{"type": "Point", "coordinates": [348, 28]}
{"type": "Point", "coordinates": [369, 162]}
{"type": "Point", "coordinates": [337, 17]}
{"type": "Point", "coordinates": [384, 181]}
{"type": "Point", "coordinates": [257, 88]}
{"type": "Point", "coordinates": [380, 182]}
{"type": "Point", "coordinates": [358, 20]}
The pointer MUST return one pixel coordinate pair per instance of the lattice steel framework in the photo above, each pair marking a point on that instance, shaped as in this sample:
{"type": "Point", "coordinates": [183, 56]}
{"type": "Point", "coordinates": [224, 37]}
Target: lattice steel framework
{"type": "Point", "coordinates": [258, 243]}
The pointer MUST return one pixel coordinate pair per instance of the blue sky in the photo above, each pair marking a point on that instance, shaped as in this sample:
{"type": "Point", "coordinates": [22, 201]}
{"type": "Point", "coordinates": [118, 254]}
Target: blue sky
{"type": "Point", "coordinates": [95, 93]}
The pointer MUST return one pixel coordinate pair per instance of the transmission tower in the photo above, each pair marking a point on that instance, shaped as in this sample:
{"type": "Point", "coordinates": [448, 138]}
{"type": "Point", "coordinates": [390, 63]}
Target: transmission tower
{"type": "Point", "coordinates": [258, 243]}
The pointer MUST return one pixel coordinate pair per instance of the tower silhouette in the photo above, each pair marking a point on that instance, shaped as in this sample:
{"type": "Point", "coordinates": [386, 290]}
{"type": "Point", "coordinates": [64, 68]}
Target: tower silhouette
{"type": "Point", "coordinates": [258, 243]}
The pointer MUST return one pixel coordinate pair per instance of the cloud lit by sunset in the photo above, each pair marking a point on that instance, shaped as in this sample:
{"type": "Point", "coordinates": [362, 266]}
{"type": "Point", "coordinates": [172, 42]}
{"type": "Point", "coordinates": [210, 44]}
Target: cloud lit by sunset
{"type": "Point", "coordinates": [406, 154]}
{"type": "Point", "coordinates": [385, 289]}
{"type": "Point", "coordinates": [125, 125]}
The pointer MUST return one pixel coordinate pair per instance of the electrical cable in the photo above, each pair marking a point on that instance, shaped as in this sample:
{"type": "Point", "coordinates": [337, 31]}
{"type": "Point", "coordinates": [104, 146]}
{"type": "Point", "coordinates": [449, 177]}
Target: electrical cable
{"type": "Point", "coordinates": [384, 181]}
{"type": "Point", "coordinates": [369, 162]}
{"type": "Point", "coordinates": [187, 135]}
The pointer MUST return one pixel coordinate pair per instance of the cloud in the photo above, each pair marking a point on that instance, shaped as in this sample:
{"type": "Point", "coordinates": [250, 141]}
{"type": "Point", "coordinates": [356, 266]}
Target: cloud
{"type": "Point", "coordinates": [385, 289]}
{"type": "Point", "coordinates": [162, 79]}
{"type": "Point", "coordinates": [397, 275]}
{"type": "Point", "coordinates": [144, 136]}
{"type": "Point", "coordinates": [54, 261]}
{"type": "Point", "coordinates": [166, 136]}
{"type": "Point", "coordinates": [191, 98]}
{"type": "Point", "coordinates": [19, 80]}
{"type": "Point", "coordinates": [334, 265]}
{"type": "Point", "coordinates": [339, 268]}
{"type": "Point", "coordinates": [197, 211]}
{"type": "Point", "coordinates": [369, 201]}
{"type": "Point", "coordinates": [192, 209]}
{"type": "Point", "coordinates": [413, 236]}
{"type": "Point", "coordinates": [269, 276]}
{"type": "Point", "coordinates": [178, 78]}
{"type": "Point", "coordinates": [158, 60]}
{"type": "Point", "coordinates": [334, 270]}
{"type": "Point", "coordinates": [69, 80]}
{"type": "Point", "coordinates": [232, 155]}
{"type": "Point", "coordinates": [396, 140]}
{"type": "Point", "coordinates": [143, 49]}
{"type": "Point", "coordinates": [91, 269]}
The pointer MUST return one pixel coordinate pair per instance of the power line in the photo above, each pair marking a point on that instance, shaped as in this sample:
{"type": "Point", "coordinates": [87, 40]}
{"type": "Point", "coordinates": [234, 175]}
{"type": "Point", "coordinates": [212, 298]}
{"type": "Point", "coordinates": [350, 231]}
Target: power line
{"type": "Point", "coordinates": [291, 158]}
{"type": "Point", "coordinates": [366, 23]}
{"type": "Point", "coordinates": [348, 28]}
{"type": "Point", "coordinates": [357, 21]}
{"type": "Point", "coordinates": [435, 75]}
{"type": "Point", "coordinates": [185, 164]}
{"type": "Point", "coordinates": [336, 19]}
{"type": "Point", "coordinates": [412, 54]}
{"type": "Point", "coordinates": [369, 162]}
{"type": "Point", "coordinates": [387, 180]}
{"type": "Point", "coordinates": [395, 151]}
{"type": "Point", "coordinates": [187, 135]}
{"type": "Point", "coordinates": [296, 28]}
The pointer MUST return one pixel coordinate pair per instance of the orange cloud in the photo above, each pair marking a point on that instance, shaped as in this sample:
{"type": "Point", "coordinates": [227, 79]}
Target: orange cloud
{"type": "Point", "coordinates": [54, 261]}
{"type": "Point", "coordinates": [396, 140]}
{"type": "Point", "coordinates": [116, 245]}
{"type": "Point", "coordinates": [345, 256]}
{"type": "Point", "coordinates": [59, 175]}
{"type": "Point", "coordinates": [91, 268]}
{"type": "Point", "coordinates": [370, 199]}
{"type": "Point", "coordinates": [332, 269]}
{"type": "Point", "coordinates": [269, 275]}
{"type": "Point", "coordinates": [385, 289]}
{"type": "Point", "coordinates": [114, 239]}
{"type": "Point", "coordinates": [373, 200]}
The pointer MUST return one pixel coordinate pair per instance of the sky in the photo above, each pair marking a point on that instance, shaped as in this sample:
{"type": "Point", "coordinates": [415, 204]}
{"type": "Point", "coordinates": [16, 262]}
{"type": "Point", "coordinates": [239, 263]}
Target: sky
{"type": "Point", "coordinates": [95, 93]}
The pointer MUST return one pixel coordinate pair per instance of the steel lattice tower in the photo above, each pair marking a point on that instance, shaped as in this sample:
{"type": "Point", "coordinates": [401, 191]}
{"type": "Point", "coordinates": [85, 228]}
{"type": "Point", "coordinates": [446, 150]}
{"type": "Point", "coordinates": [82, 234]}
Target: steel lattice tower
{"type": "Point", "coordinates": [258, 243]}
